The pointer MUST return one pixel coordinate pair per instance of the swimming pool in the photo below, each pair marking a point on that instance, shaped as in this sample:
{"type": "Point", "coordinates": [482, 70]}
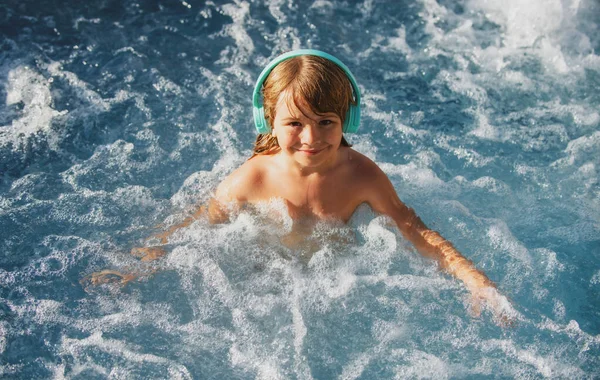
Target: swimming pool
{"type": "Point", "coordinates": [120, 116]}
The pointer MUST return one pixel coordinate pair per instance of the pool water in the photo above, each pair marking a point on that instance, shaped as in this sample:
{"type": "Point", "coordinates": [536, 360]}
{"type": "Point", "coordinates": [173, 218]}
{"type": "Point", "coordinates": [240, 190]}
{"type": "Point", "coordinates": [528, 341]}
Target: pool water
{"type": "Point", "coordinates": [117, 118]}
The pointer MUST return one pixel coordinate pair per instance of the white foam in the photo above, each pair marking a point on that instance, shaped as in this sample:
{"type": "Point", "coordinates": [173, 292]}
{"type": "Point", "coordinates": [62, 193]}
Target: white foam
{"type": "Point", "coordinates": [196, 189]}
{"type": "Point", "coordinates": [266, 369]}
{"type": "Point", "coordinates": [80, 20]}
{"type": "Point", "coordinates": [383, 333]}
{"type": "Point", "coordinates": [422, 365]}
{"type": "Point", "coordinates": [492, 185]}
{"type": "Point", "coordinates": [583, 114]}
{"type": "Point", "coordinates": [486, 131]}
{"type": "Point", "coordinates": [327, 279]}
{"type": "Point", "coordinates": [573, 331]}
{"type": "Point", "coordinates": [366, 147]}
{"type": "Point", "coordinates": [286, 38]}
{"type": "Point", "coordinates": [33, 90]}
{"type": "Point", "coordinates": [118, 157]}
{"type": "Point", "coordinates": [414, 136]}
{"type": "Point", "coordinates": [3, 335]}
{"type": "Point", "coordinates": [516, 79]}
{"type": "Point", "coordinates": [559, 310]}
{"type": "Point", "coordinates": [387, 44]}
{"type": "Point", "coordinates": [164, 85]}
{"type": "Point", "coordinates": [548, 262]}
{"type": "Point", "coordinates": [548, 29]}
{"type": "Point", "coordinates": [399, 43]}
{"type": "Point", "coordinates": [223, 133]}
{"type": "Point", "coordinates": [504, 243]}
{"type": "Point", "coordinates": [239, 13]}
{"type": "Point", "coordinates": [11, 369]}
{"type": "Point", "coordinates": [545, 365]}
{"type": "Point", "coordinates": [469, 156]}
{"type": "Point", "coordinates": [29, 88]}
{"type": "Point", "coordinates": [414, 174]}
{"type": "Point", "coordinates": [461, 83]}
{"type": "Point", "coordinates": [83, 89]}
{"type": "Point", "coordinates": [577, 232]}
{"type": "Point", "coordinates": [77, 348]}
{"type": "Point", "coordinates": [323, 6]}
{"type": "Point", "coordinates": [502, 238]}
{"type": "Point", "coordinates": [300, 331]}
{"type": "Point", "coordinates": [581, 149]}
{"type": "Point", "coordinates": [276, 12]}
{"type": "Point", "coordinates": [412, 282]}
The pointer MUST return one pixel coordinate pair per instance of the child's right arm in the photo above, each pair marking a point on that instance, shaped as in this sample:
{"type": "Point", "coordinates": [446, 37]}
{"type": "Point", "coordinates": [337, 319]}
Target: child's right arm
{"type": "Point", "coordinates": [215, 212]}
{"type": "Point", "coordinates": [218, 209]}
{"type": "Point", "coordinates": [231, 193]}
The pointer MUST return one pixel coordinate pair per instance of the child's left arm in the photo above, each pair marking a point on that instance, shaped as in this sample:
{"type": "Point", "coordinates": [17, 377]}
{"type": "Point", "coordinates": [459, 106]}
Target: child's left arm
{"type": "Point", "coordinates": [383, 199]}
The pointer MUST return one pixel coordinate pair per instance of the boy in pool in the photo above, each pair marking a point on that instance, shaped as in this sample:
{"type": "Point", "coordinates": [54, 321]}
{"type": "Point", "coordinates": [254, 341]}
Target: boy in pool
{"type": "Point", "coordinates": [309, 99]}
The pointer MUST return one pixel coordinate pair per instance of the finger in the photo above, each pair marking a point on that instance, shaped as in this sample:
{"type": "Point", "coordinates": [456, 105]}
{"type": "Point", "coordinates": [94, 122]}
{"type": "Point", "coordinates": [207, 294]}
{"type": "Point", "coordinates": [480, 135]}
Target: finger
{"type": "Point", "coordinates": [153, 254]}
{"type": "Point", "coordinates": [475, 309]}
{"type": "Point", "coordinates": [138, 252]}
{"type": "Point", "coordinates": [503, 311]}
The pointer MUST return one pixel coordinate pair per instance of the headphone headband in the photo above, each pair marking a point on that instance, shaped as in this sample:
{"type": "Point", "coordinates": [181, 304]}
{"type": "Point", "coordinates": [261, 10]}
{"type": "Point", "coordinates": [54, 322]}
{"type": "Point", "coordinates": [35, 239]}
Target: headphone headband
{"type": "Point", "coordinates": [352, 121]}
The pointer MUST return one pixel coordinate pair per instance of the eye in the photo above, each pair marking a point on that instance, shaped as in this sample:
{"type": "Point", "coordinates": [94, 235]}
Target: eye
{"type": "Point", "coordinates": [325, 122]}
{"type": "Point", "coordinates": [295, 123]}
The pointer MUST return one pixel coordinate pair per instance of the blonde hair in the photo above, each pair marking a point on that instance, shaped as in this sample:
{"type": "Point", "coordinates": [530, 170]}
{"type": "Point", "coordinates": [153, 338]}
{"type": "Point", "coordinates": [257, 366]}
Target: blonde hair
{"type": "Point", "coordinates": [311, 80]}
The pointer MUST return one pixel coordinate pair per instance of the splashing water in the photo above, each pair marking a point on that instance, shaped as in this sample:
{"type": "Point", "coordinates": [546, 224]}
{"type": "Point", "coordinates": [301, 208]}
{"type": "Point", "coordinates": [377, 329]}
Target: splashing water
{"type": "Point", "coordinates": [120, 116]}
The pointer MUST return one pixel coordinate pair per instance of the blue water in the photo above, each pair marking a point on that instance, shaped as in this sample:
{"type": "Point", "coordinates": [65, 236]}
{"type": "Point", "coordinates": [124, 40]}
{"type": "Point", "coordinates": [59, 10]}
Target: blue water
{"type": "Point", "coordinates": [118, 116]}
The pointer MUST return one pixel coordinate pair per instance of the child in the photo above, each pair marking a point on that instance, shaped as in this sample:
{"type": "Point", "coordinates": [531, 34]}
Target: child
{"type": "Point", "coordinates": [301, 157]}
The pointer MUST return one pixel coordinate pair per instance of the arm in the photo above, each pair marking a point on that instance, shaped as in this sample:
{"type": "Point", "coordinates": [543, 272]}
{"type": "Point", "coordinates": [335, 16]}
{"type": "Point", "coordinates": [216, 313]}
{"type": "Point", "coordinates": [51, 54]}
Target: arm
{"type": "Point", "coordinates": [431, 244]}
{"type": "Point", "coordinates": [384, 200]}
{"type": "Point", "coordinates": [216, 213]}
{"type": "Point", "coordinates": [230, 195]}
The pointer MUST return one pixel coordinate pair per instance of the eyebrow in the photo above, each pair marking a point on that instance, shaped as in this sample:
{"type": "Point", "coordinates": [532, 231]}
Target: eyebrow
{"type": "Point", "coordinates": [327, 115]}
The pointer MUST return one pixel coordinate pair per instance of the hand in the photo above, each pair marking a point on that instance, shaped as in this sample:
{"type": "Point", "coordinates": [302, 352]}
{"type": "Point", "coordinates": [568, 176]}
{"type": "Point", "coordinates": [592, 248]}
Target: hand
{"type": "Point", "coordinates": [489, 297]}
{"type": "Point", "coordinates": [107, 276]}
{"type": "Point", "coordinates": [148, 253]}
{"type": "Point", "coordinates": [162, 236]}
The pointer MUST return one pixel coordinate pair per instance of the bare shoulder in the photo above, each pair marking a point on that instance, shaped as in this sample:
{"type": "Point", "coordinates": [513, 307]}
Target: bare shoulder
{"type": "Point", "coordinates": [372, 184]}
{"type": "Point", "coordinates": [361, 167]}
{"type": "Point", "coordinates": [240, 185]}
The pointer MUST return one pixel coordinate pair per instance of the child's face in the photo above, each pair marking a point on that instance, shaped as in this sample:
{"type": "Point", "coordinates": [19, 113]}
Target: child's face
{"type": "Point", "coordinates": [309, 139]}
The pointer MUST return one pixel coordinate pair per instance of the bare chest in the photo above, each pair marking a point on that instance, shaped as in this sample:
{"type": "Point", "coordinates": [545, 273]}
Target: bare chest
{"type": "Point", "coordinates": [330, 198]}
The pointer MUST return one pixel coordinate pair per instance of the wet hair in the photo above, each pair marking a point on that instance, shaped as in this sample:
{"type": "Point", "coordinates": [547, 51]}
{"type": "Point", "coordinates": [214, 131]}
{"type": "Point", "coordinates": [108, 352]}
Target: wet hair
{"type": "Point", "coordinates": [311, 80]}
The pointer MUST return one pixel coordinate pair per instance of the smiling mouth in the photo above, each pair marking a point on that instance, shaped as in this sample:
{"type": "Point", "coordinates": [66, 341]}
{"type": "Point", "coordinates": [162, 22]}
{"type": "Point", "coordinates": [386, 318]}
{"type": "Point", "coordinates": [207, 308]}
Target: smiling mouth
{"type": "Point", "coordinates": [311, 152]}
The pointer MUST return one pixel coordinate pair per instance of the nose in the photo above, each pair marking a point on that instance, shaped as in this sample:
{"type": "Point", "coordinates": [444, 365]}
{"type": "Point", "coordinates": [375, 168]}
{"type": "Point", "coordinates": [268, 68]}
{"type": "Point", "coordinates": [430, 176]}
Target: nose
{"type": "Point", "coordinates": [310, 134]}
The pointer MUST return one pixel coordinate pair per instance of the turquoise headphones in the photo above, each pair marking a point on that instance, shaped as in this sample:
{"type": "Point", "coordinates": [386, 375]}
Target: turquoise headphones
{"type": "Point", "coordinates": [352, 121]}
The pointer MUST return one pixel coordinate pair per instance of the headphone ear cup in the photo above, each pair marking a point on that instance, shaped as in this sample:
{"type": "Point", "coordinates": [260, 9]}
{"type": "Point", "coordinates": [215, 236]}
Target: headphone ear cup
{"type": "Point", "coordinates": [259, 120]}
{"type": "Point", "coordinates": [352, 119]}
{"type": "Point", "coordinates": [356, 118]}
{"type": "Point", "coordinates": [348, 121]}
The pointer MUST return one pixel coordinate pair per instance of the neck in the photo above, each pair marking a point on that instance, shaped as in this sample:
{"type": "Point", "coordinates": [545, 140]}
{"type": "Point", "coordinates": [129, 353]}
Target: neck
{"type": "Point", "coordinates": [305, 171]}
